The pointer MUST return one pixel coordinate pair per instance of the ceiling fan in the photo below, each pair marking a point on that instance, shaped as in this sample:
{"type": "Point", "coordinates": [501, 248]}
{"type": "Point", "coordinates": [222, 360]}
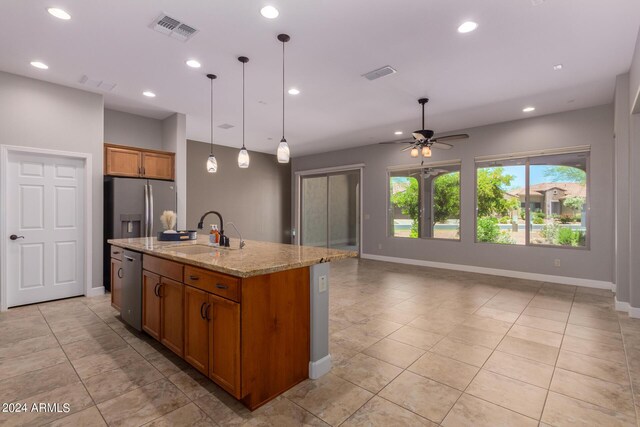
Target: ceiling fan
{"type": "Point", "coordinates": [423, 139]}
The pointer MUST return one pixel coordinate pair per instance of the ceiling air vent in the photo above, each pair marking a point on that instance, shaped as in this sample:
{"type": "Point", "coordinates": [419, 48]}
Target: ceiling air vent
{"type": "Point", "coordinates": [97, 83]}
{"type": "Point", "coordinates": [380, 72]}
{"type": "Point", "coordinates": [173, 28]}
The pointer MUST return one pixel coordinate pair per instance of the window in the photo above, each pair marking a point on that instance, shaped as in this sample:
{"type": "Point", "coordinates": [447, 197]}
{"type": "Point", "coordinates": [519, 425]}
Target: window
{"type": "Point", "coordinates": [534, 200]}
{"type": "Point", "coordinates": [425, 202]}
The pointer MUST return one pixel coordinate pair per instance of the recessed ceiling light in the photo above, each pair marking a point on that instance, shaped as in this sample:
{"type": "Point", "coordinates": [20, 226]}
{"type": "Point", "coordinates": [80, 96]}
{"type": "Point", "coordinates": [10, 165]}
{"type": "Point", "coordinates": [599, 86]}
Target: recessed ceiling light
{"type": "Point", "coordinates": [269, 12]}
{"type": "Point", "coordinates": [149, 94]}
{"type": "Point", "coordinates": [528, 109]}
{"type": "Point", "coordinates": [398, 132]}
{"type": "Point", "coordinates": [40, 65]}
{"type": "Point", "coordinates": [467, 27]}
{"type": "Point", "coordinates": [557, 67]}
{"type": "Point", "coordinates": [193, 63]}
{"type": "Point", "coordinates": [59, 13]}
{"type": "Point", "coordinates": [293, 91]}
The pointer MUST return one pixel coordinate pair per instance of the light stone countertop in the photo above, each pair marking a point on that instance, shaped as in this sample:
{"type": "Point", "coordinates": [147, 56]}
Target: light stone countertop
{"type": "Point", "coordinates": [255, 259]}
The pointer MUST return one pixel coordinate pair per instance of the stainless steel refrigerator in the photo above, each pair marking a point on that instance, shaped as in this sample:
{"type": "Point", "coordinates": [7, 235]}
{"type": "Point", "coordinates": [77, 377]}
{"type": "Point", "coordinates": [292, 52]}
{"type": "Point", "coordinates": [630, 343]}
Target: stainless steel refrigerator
{"type": "Point", "coordinates": [132, 208]}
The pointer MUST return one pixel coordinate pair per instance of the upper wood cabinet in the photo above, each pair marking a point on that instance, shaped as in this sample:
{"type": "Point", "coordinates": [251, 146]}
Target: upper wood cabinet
{"type": "Point", "coordinates": [138, 163]}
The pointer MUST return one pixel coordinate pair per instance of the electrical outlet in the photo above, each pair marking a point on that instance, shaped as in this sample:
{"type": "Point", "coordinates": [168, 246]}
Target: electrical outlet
{"type": "Point", "coordinates": [556, 262]}
{"type": "Point", "coordinates": [379, 245]}
{"type": "Point", "coordinates": [322, 284]}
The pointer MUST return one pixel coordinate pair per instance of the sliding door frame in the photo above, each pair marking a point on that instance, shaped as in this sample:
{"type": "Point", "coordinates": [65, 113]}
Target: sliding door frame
{"type": "Point", "coordinates": [327, 171]}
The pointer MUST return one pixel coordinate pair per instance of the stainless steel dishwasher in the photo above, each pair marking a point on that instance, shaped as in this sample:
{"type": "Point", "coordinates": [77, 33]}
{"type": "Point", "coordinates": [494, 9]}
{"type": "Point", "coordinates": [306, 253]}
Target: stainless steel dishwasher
{"type": "Point", "coordinates": [131, 310]}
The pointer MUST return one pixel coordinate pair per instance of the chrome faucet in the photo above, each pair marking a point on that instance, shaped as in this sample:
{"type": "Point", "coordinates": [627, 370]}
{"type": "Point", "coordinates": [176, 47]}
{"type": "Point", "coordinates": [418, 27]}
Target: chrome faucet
{"type": "Point", "coordinates": [242, 243]}
{"type": "Point", "coordinates": [224, 240]}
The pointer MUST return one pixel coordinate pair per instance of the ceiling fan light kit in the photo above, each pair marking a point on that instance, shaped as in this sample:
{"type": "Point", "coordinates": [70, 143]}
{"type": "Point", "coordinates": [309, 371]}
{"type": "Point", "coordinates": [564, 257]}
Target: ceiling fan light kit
{"type": "Point", "coordinates": [423, 139]}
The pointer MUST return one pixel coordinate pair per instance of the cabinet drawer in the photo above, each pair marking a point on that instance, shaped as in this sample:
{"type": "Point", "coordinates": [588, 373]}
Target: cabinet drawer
{"type": "Point", "coordinates": [163, 267]}
{"type": "Point", "coordinates": [116, 252]}
{"type": "Point", "coordinates": [215, 283]}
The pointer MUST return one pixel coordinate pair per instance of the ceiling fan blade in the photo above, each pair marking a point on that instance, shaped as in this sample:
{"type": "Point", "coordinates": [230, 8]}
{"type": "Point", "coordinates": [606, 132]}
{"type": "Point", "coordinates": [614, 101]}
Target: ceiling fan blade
{"type": "Point", "coordinates": [408, 148]}
{"type": "Point", "coordinates": [442, 146]}
{"type": "Point", "coordinates": [450, 137]}
{"type": "Point", "coordinates": [399, 141]}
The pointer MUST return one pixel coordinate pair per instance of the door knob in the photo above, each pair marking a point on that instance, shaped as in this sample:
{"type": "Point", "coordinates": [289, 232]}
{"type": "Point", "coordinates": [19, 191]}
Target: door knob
{"type": "Point", "coordinates": [14, 237]}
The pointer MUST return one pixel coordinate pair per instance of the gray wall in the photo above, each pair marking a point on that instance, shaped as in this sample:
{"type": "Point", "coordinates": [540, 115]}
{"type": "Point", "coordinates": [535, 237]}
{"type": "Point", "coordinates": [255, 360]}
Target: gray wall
{"type": "Point", "coordinates": [132, 130]}
{"type": "Point", "coordinates": [174, 139]}
{"type": "Point", "coordinates": [38, 114]}
{"type": "Point", "coordinates": [632, 227]}
{"type": "Point", "coordinates": [591, 126]}
{"type": "Point", "coordinates": [257, 199]}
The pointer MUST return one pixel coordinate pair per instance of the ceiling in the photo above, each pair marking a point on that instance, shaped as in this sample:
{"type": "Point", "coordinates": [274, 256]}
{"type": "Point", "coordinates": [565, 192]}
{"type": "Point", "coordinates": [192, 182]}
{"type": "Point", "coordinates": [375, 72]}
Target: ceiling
{"type": "Point", "coordinates": [482, 77]}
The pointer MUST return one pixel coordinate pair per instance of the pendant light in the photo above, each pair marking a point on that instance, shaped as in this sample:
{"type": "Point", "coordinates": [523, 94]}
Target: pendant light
{"type": "Point", "coordinates": [243, 155]}
{"type": "Point", "coordinates": [283, 147]}
{"type": "Point", "coordinates": [212, 163]}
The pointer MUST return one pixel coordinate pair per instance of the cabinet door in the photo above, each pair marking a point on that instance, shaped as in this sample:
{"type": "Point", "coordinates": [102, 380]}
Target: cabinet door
{"type": "Point", "coordinates": [122, 162]}
{"type": "Point", "coordinates": [196, 329]}
{"type": "Point", "coordinates": [224, 345]}
{"type": "Point", "coordinates": [151, 304]}
{"type": "Point", "coordinates": [172, 315]}
{"type": "Point", "coordinates": [116, 283]}
{"type": "Point", "coordinates": [157, 165]}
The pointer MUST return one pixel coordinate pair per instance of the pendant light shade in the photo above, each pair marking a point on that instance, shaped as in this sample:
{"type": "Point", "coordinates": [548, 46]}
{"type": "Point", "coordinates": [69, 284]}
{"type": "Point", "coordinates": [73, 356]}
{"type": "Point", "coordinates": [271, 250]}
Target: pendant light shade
{"type": "Point", "coordinates": [243, 158]}
{"type": "Point", "coordinates": [415, 152]}
{"type": "Point", "coordinates": [212, 163]}
{"type": "Point", "coordinates": [243, 155]}
{"type": "Point", "coordinates": [283, 153]}
{"type": "Point", "coordinates": [426, 151]}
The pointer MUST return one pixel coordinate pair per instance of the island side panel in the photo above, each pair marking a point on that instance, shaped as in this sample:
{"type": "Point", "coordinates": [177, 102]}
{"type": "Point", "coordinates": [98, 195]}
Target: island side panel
{"type": "Point", "coordinates": [320, 362]}
{"type": "Point", "coordinates": [275, 334]}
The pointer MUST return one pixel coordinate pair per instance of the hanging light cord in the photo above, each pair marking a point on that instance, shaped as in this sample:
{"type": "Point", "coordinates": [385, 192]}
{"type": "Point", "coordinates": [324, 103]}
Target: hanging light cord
{"type": "Point", "coordinates": [283, 139]}
{"type": "Point", "coordinates": [211, 117]}
{"type": "Point", "coordinates": [243, 105]}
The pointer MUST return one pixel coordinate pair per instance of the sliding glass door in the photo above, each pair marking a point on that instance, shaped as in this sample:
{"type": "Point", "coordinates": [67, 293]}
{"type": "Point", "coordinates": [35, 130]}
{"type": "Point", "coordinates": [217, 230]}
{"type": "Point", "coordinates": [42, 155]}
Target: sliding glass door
{"type": "Point", "coordinates": [330, 210]}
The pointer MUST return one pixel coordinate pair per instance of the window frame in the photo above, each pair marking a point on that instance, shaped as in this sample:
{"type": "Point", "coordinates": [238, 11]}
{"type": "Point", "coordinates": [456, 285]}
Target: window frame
{"type": "Point", "coordinates": [526, 157]}
{"type": "Point", "coordinates": [421, 195]}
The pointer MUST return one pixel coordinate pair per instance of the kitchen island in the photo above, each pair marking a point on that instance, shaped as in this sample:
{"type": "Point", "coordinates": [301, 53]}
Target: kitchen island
{"type": "Point", "coordinates": [254, 320]}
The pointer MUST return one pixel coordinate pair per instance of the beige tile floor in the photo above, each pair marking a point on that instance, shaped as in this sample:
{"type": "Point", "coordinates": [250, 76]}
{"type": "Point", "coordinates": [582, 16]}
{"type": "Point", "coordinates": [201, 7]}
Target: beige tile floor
{"type": "Point", "coordinates": [411, 346]}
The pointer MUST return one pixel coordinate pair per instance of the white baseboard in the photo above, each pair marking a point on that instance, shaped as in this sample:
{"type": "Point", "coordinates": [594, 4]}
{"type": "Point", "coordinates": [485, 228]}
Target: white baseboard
{"type": "Point", "coordinates": [320, 367]}
{"type": "Point", "coordinates": [622, 305]}
{"type": "Point", "coordinates": [564, 280]}
{"type": "Point", "coordinates": [94, 292]}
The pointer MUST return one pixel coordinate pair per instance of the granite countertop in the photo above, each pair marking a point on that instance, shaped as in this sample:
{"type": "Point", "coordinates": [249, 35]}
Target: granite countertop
{"type": "Point", "coordinates": [255, 259]}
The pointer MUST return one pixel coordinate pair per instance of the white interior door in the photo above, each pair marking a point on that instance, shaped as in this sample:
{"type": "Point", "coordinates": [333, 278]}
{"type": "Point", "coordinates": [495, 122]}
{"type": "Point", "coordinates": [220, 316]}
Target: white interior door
{"type": "Point", "coordinates": [45, 216]}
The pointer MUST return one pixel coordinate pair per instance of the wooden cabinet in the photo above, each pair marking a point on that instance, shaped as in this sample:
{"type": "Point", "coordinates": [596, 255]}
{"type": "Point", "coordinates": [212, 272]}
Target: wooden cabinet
{"type": "Point", "coordinates": [224, 343]}
{"type": "Point", "coordinates": [212, 337]}
{"type": "Point", "coordinates": [138, 163]}
{"type": "Point", "coordinates": [250, 335]}
{"type": "Point", "coordinates": [196, 329]}
{"type": "Point", "coordinates": [122, 161]}
{"type": "Point", "coordinates": [171, 315]}
{"type": "Point", "coordinates": [151, 304]}
{"type": "Point", "coordinates": [157, 165]}
{"type": "Point", "coordinates": [116, 283]}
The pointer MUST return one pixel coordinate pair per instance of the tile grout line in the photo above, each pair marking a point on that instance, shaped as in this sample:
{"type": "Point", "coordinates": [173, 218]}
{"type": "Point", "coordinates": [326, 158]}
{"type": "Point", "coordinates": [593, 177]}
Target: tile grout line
{"type": "Point", "coordinates": [73, 367]}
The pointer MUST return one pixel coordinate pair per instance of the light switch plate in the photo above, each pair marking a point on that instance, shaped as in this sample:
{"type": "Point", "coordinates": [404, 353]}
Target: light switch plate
{"type": "Point", "coordinates": [322, 284]}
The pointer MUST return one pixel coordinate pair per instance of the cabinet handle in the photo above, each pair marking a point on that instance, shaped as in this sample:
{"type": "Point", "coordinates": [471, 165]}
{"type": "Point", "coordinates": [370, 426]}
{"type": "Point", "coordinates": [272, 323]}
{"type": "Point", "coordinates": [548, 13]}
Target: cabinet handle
{"type": "Point", "coordinates": [142, 171]}
{"type": "Point", "coordinates": [116, 252]}
{"type": "Point", "coordinates": [192, 277]}
{"type": "Point", "coordinates": [156, 290]}
{"type": "Point", "coordinates": [202, 311]}
{"type": "Point", "coordinates": [206, 312]}
{"type": "Point", "coordinates": [221, 286]}
{"type": "Point", "coordinates": [120, 274]}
